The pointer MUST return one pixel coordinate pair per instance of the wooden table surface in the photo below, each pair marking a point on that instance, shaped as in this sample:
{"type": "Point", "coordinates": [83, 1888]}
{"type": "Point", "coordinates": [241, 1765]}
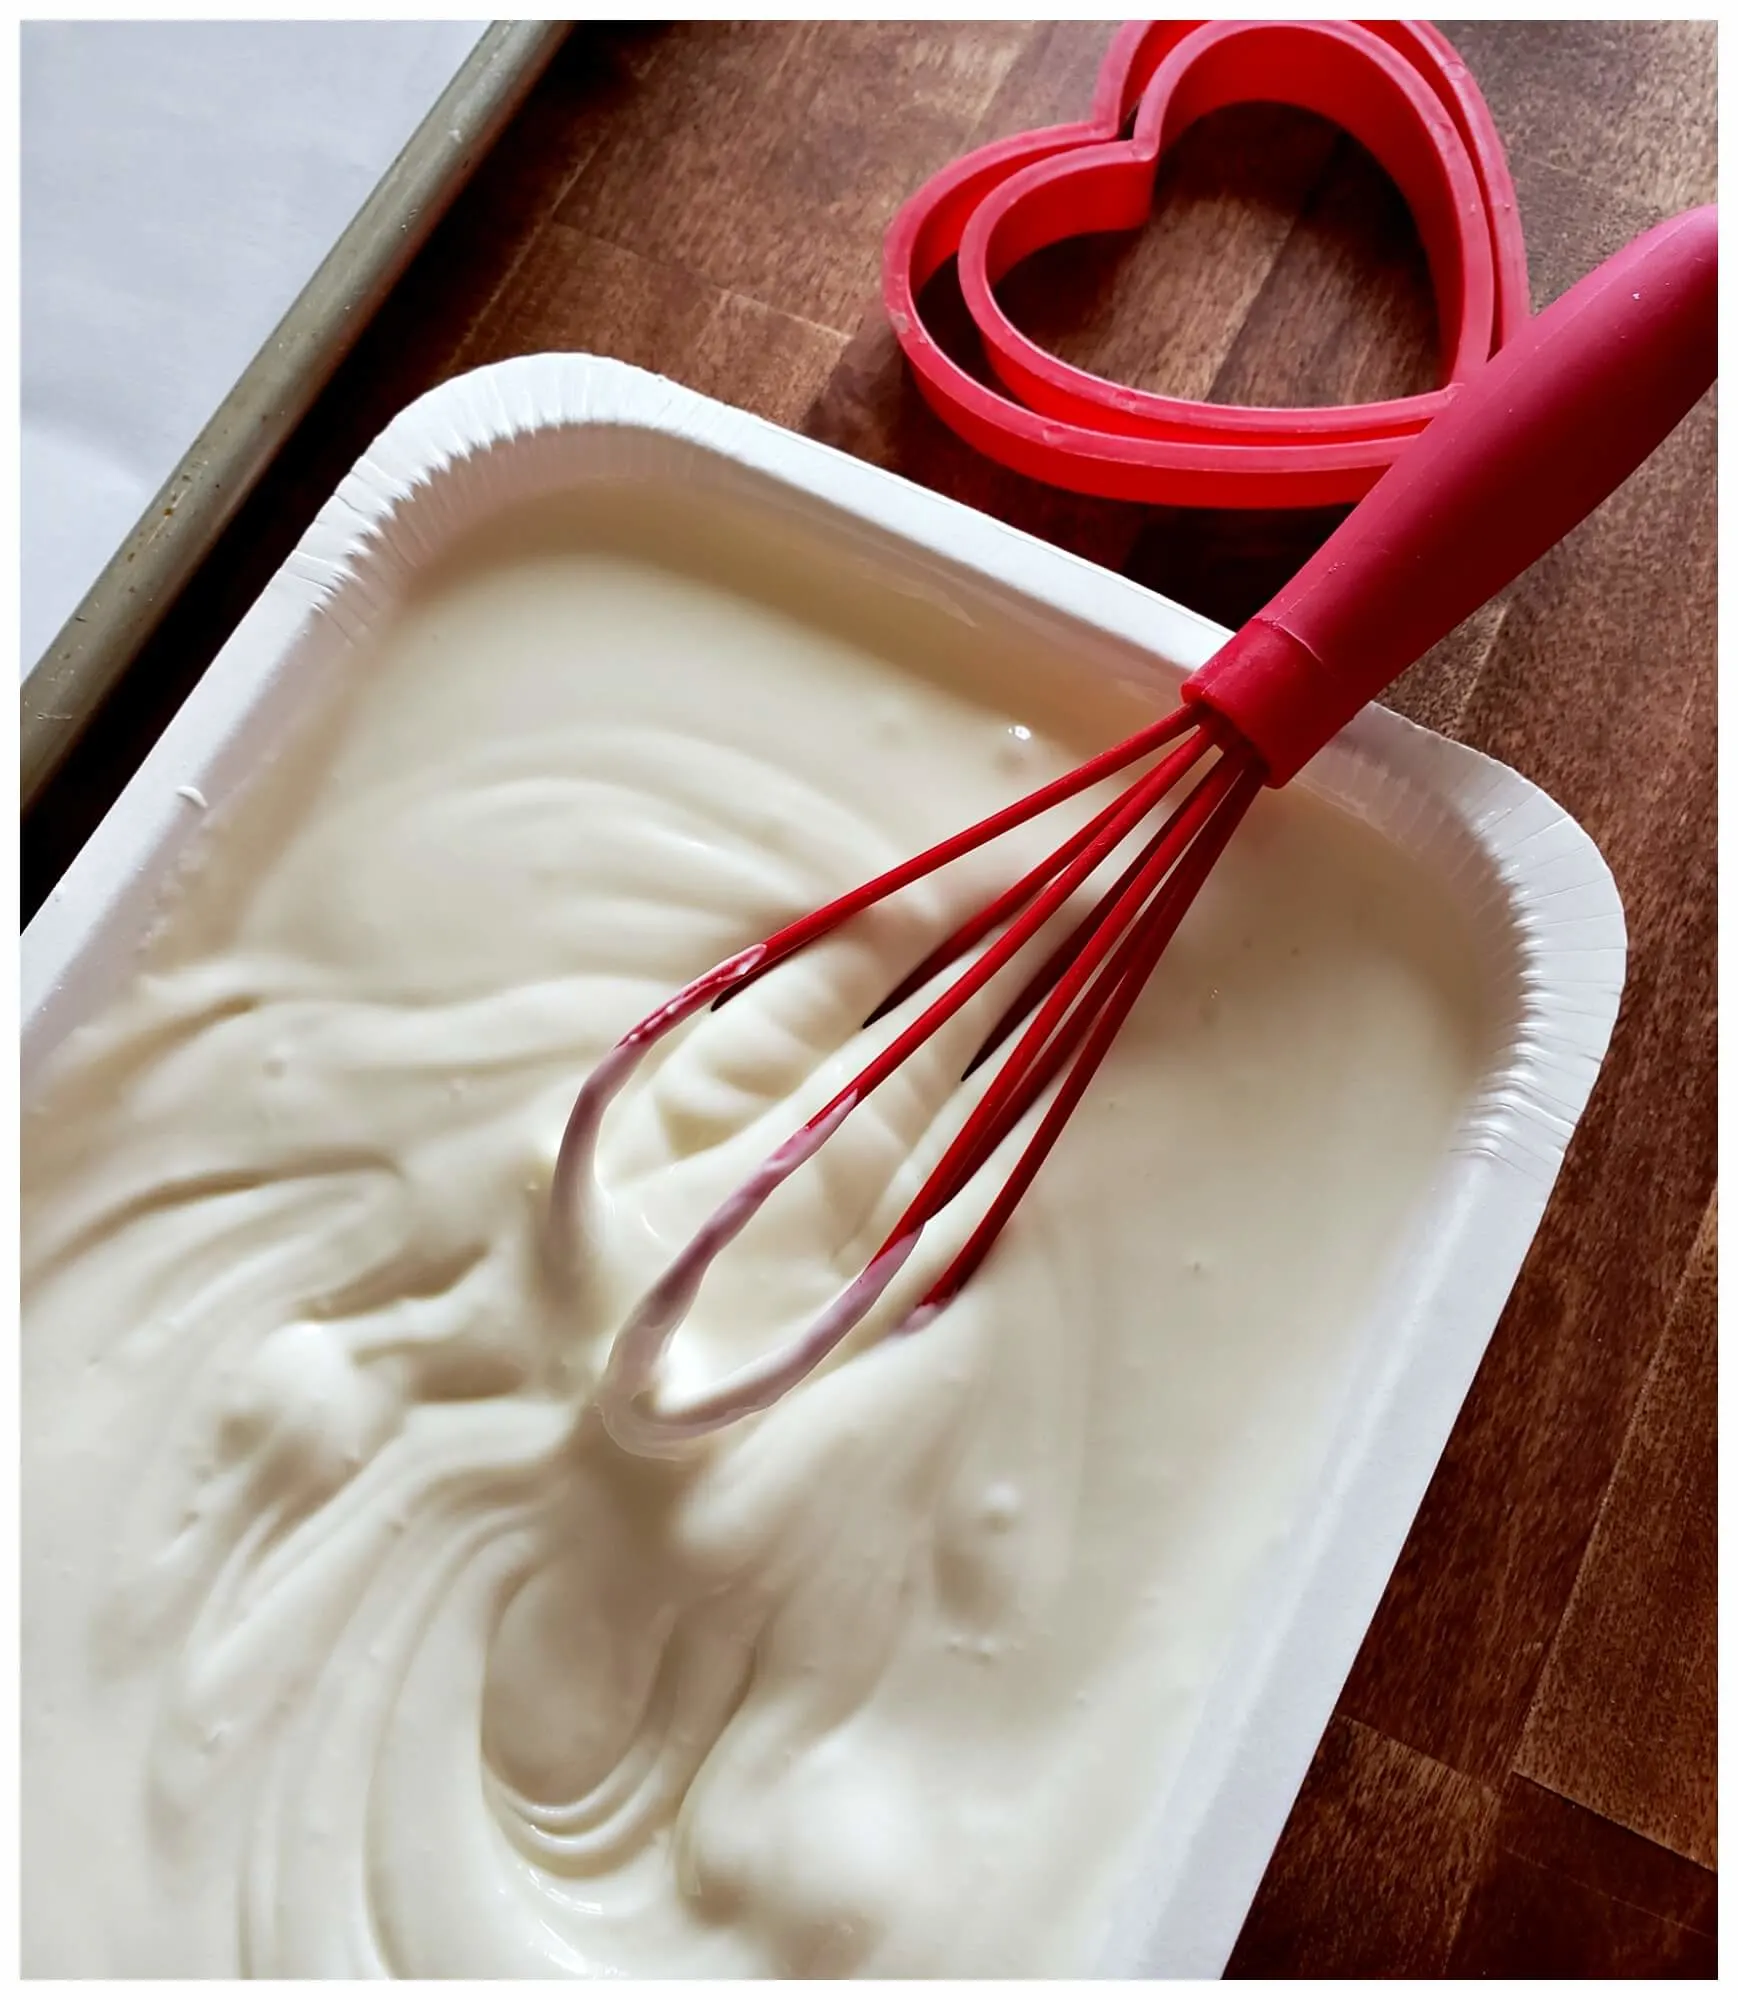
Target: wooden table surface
{"type": "Point", "coordinates": [1519, 1777]}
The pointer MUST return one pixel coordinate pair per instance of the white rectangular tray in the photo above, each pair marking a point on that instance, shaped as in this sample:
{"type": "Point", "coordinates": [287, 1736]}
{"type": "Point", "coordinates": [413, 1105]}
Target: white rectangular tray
{"type": "Point", "coordinates": [1541, 906]}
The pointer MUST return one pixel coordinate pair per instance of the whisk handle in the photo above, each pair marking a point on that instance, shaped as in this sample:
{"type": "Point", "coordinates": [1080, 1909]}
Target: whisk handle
{"type": "Point", "coordinates": [1531, 444]}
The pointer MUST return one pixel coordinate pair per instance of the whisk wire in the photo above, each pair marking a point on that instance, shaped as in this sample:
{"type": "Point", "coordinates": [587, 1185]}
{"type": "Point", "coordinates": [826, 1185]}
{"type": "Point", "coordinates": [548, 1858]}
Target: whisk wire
{"type": "Point", "coordinates": [1129, 811]}
{"type": "Point", "coordinates": [806, 930]}
{"type": "Point", "coordinates": [1082, 984]}
{"type": "Point", "coordinates": [1166, 840]}
{"type": "Point", "coordinates": [1093, 1027]}
{"type": "Point", "coordinates": [1013, 900]}
{"type": "Point", "coordinates": [1082, 993]}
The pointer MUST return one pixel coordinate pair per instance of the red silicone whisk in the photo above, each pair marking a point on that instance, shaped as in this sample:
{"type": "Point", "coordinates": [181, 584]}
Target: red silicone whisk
{"type": "Point", "coordinates": [1530, 444]}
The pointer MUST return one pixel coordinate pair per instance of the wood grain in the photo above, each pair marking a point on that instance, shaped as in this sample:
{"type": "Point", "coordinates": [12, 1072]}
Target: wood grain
{"type": "Point", "coordinates": [1564, 1894]}
{"type": "Point", "coordinates": [1559, 1837]}
{"type": "Point", "coordinates": [1622, 111]}
{"type": "Point", "coordinates": [1526, 1923]}
{"type": "Point", "coordinates": [1421, 1831]}
{"type": "Point", "coordinates": [1624, 1714]}
{"type": "Point", "coordinates": [785, 147]}
{"type": "Point", "coordinates": [658, 316]}
{"type": "Point", "coordinates": [1520, 1777]}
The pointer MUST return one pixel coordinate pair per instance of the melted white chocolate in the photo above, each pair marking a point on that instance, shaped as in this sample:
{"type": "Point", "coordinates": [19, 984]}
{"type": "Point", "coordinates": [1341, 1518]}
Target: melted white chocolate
{"type": "Point", "coordinates": [352, 1641]}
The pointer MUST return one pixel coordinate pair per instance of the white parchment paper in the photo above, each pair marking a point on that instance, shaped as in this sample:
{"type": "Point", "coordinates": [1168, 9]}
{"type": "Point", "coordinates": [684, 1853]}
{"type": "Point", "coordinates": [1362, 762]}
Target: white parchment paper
{"type": "Point", "coordinates": [180, 183]}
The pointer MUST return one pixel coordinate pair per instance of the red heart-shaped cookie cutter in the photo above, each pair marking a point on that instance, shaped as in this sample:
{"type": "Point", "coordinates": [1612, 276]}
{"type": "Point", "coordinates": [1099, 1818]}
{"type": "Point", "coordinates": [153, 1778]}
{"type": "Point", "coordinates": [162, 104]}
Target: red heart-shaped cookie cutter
{"type": "Point", "coordinates": [1396, 86]}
